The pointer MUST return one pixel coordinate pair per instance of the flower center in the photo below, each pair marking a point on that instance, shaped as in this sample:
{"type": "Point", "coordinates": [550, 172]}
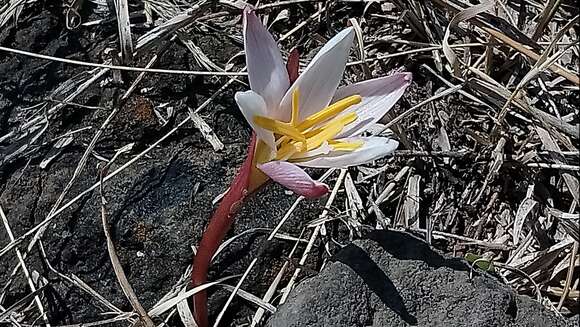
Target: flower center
{"type": "Point", "coordinates": [295, 138]}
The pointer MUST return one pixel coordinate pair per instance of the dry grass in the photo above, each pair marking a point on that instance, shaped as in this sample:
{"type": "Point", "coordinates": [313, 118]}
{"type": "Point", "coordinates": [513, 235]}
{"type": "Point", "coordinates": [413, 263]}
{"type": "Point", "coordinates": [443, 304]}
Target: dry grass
{"type": "Point", "coordinates": [489, 163]}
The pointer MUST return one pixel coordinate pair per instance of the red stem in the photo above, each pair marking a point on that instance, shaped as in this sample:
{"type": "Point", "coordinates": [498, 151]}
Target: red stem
{"type": "Point", "coordinates": [218, 226]}
{"type": "Point", "coordinates": [293, 64]}
{"type": "Point", "coordinates": [223, 216]}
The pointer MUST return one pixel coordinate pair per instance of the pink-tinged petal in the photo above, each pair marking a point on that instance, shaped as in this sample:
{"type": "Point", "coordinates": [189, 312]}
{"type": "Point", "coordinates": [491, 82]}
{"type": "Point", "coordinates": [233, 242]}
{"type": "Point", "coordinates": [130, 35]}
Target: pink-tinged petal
{"type": "Point", "coordinates": [373, 148]}
{"type": "Point", "coordinates": [251, 105]}
{"type": "Point", "coordinates": [266, 70]}
{"type": "Point", "coordinates": [318, 83]}
{"type": "Point", "coordinates": [294, 178]}
{"type": "Point", "coordinates": [379, 95]}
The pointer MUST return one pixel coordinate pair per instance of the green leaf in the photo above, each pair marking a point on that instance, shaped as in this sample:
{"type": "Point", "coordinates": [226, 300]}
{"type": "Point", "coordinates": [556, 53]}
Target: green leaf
{"type": "Point", "coordinates": [480, 262]}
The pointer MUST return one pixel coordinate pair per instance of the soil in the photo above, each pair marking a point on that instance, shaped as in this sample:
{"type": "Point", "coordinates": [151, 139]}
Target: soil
{"type": "Point", "coordinates": [158, 207]}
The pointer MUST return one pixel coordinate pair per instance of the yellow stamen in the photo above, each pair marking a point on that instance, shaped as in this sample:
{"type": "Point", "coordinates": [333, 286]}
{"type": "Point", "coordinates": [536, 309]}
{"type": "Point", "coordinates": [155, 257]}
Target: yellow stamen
{"type": "Point", "coordinates": [345, 120]}
{"type": "Point", "coordinates": [316, 137]}
{"type": "Point", "coordinates": [279, 127]}
{"type": "Point", "coordinates": [327, 133]}
{"type": "Point", "coordinates": [329, 112]}
{"type": "Point", "coordinates": [345, 146]}
{"type": "Point", "coordinates": [287, 151]}
{"type": "Point", "coordinates": [295, 137]}
{"type": "Point", "coordinates": [295, 107]}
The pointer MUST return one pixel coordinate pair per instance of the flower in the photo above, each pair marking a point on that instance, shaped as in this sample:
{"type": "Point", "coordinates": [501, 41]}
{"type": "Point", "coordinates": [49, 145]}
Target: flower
{"type": "Point", "coordinates": [311, 123]}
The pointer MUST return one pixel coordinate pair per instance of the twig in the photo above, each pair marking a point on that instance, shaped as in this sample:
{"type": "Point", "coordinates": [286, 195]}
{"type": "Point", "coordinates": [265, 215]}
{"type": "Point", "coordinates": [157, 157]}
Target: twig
{"type": "Point", "coordinates": [272, 288]}
{"type": "Point", "coordinates": [489, 245]}
{"type": "Point", "coordinates": [417, 106]}
{"type": "Point", "coordinates": [553, 166]}
{"type": "Point", "coordinates": [124, 68]}
{"type": "Point", "coordinates": [75, 280]}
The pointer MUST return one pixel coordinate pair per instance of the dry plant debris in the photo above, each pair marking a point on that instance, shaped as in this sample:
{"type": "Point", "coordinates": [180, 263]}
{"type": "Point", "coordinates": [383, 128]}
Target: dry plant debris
{"type": "Point", "coordinates": [488, 163]}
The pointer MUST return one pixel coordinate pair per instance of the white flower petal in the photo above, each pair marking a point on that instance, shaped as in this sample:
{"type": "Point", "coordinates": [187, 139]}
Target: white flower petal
{"type": "Point", "coordinates": [266, 69]}
{"type": "Point", "coordinates": [252, 104]}
{"type": "Point", "coordinates": [379, 95]}
{"type": "Point", "coordinates": [318, 83]}
{"type": "Point", "coordinates": [294, 178]}
{"type": "Point", "coordinates": [373, 148]}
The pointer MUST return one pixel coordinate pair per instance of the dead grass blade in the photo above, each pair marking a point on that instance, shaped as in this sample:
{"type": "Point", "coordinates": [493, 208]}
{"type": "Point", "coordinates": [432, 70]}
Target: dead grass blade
{"type": "Point", "coordinates": [554, 148]}
{"type": "Point", "coordinates": [12, 10]}
{"type": "Point", "coordinates": [545, 17]}
{"type": "Point", "coordinates": [461, 16]}
{"type": "Point", "coordinates": [554, 67]}
{"type": "Point", "coordinates": [206, 130]}
{"type": "Point", "coordinates": [116, 263]}
{"type": "Point", "coordinates": [124, 27]}
{"type": "Point", "coordinates": [169, 27]}
{"type": "Point", "coordinates": [569, 275]}
{"type": "Point", "coordinates": [412, 201]}
{"type": "Point", "coordinates": [122, 68]}
{"type": "Point", "coordinates": [32, 285]}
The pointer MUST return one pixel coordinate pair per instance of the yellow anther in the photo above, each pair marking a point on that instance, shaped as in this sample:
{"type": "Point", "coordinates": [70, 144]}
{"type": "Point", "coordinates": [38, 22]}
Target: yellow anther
{"type": "Point", "coordinates": [294, 137]}
{"type": "Point", "coordinates": [279, 127]}
{"type": "Point", "coordinates": [348, 118]}
{"type": "Point", "coordinates": [345, 120]}
{"type": "Point", "coordinates": [327, 133]}
{"type": "Point", "coordinates": [314, 138]}
{"type": "Point", "coordinates": [329, 112]}
{"type": "Point", "coordinates": [344, 145]}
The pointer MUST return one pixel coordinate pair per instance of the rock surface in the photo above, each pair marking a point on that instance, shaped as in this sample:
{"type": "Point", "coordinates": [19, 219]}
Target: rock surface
{"type": "Point", "coordinates": [394, 279]}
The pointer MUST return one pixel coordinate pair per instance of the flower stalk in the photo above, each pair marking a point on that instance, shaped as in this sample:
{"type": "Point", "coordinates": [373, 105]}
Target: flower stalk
{"type": "Point", "coordinates": [222, 218]}
{"type": "Point", "coordinates": [219, 225]}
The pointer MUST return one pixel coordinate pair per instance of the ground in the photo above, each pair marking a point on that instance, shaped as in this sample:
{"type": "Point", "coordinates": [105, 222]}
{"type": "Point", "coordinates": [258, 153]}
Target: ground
{"type": "Point", "coordinates": [158, 206]}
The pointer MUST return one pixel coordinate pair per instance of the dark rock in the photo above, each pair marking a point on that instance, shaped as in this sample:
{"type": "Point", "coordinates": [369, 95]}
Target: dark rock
{"type": "Point", "coordinates": [393, 279]}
